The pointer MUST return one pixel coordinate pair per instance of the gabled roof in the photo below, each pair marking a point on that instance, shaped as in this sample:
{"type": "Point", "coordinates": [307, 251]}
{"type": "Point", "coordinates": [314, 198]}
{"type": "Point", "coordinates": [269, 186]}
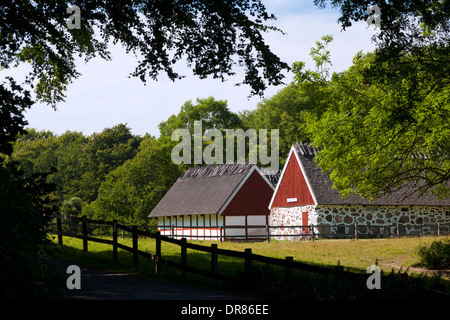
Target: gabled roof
{"type": "Point", "coordinates": [321, 186]}
{"type": "Point", "coordinates": [273, 178]}
{"type": "Point", "coordinates": [205, 189]}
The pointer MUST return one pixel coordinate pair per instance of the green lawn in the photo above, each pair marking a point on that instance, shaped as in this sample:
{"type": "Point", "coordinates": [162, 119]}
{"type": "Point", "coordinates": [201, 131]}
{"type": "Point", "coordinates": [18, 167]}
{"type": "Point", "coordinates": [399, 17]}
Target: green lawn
{"type": "Point", "coordinates": [354, 255]}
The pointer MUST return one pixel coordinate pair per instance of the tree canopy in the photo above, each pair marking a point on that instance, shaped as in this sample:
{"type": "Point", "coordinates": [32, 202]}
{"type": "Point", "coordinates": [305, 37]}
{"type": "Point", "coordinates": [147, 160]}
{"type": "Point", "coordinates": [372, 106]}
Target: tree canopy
{"type": "Point", "coordinates": [380, 133]}
{"type": "Point", "coordinates": [213, 37]}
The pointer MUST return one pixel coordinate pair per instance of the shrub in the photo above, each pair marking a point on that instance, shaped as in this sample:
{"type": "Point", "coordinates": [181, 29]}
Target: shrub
{"type": "Point", "coordinates": [436, 255]}
{"type": "Point", "coordinates": [25, 206]}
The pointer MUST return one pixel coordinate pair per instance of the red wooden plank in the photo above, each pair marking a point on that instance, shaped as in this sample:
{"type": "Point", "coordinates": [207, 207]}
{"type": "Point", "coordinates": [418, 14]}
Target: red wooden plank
{"type": "Point", "coordinates": [293, 185]}
{"type": "Point", "coordinates": [253, 198]}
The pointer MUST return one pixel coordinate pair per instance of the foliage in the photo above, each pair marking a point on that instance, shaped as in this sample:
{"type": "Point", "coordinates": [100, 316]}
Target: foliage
{"type": "Point", "coordinates": [435, 255]}
{"type": "Point", "coordinates": [103, 153]}
{"type": "Point", "coordinates": [212, 37]}
{"type": "Point", "coordinates": [132, 190]}
{"type": "Point", "coordinates": [384, 122]}
{"type": "Point", "coordinates": [81, 163]}
{"type": "Point", "coordinates": [114, 174]}
{"type": "Point", "coordinates": [378, 133]}
{"type": "Point", "coordinates": [407, 27]}
{"type": "Point", "coordinates": [24, 211]}
{"type": "Point", "coordinates": [213, 113]}
{"type": "Point", "coordinates": [71, 207]}
{"type": "Point", "coordinates": [25, 205]}
{"type": "Point", "coordinates": [285, 111]}
{"type": "Point", "coordinates": [13, 101]}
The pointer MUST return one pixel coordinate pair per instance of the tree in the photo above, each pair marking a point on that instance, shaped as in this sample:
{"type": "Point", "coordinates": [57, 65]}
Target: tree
{"type": "Point", "coordinates": [13, 101]}
{"type": "Point", "coordinates": [72, 207]}
{"type": "Point", "coordinates": [213, 37]}
{"type": "Point", "coordinates": [74, 163]}
{"type": "Point", "coordinates": [132, 190]}
{"type": "Point", "coordinates": [104, 152]}
{"type": "Point", "coordinates": [406, 27]}
{"type": "Point", "coordinates": [285, 111]}
{"type": "Point", "coordinates": [383, 123]}
{"type": "Point", "coordinates": [25, 209]}
{"type": "Point", "coordinates": [379, 134]}
{"type": "Point", "coordinates": [213, 113]}
{"type": "Point", "coordinates": [71, 165]}
{"type": "Point", "coordinates": [413, 36]}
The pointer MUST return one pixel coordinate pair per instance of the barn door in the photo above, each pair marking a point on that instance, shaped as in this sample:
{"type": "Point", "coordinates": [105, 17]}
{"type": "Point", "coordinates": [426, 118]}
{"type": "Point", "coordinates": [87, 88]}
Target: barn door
{"type": "Point", "coordinates": [305, 221]}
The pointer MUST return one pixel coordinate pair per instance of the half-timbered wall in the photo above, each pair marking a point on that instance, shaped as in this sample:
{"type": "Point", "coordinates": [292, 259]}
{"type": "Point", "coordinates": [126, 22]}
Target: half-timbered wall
{"type": "Point", "coordinates": [207, 227]}
{"type": "Point", "coordinates": [191, 226]}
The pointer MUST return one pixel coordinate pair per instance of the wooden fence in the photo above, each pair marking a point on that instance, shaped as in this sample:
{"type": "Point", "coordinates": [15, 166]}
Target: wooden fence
{"type": "Point", "coordinates": [356, 231]}
{"type": "Point", "coordinates": [309, 232]}
{"type": "Point", "coordinates": [288, 263]}
{"type": "Point", "coordinates": [306, 232]}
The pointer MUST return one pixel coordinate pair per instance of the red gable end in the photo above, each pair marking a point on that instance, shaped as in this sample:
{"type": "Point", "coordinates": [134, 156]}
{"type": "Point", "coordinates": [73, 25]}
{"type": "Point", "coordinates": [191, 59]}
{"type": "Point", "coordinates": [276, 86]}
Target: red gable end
{"type": "Point", "coordinates": [252, 198]}
{"type": "Point", "coordinates": [292, 190]}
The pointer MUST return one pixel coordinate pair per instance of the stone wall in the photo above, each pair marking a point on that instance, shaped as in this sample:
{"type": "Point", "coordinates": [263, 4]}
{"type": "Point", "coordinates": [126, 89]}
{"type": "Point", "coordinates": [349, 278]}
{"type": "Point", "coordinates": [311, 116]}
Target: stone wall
{"type": "Point", "coordinates": [371, 220]}
{"type": "Point", "coordinates": [382, 220]}
{"type": "Point", "coordinates": [290, 217]}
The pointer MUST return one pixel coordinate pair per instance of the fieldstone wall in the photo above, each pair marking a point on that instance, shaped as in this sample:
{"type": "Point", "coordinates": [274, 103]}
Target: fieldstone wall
{"type": "Point", "coordinates": [371, 220]}
{"type": "Point", "coordinates": [382, 220]}
{"type": "Point", "coordinates": [291, 217]}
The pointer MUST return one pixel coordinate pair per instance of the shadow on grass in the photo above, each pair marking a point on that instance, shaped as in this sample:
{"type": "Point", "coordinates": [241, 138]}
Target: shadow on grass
{"type": "Point", "coordinates": [265, 281]}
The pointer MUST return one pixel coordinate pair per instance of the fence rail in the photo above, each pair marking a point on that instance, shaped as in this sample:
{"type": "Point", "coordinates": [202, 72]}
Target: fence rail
{"type": "Point", "coordinates": [157, 256]}
{"type": "Point", "coordinates": [311, 232]}
{"type": "Point", "coordinates": [288, 263]}
{"type": "Point", "coordinates": [295, 232]}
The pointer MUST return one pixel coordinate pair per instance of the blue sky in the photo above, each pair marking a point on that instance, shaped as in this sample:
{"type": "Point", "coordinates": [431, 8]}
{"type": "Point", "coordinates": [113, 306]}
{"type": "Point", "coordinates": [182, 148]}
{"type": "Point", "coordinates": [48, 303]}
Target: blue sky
{"type": "Point", "coordinates": [104, 96]}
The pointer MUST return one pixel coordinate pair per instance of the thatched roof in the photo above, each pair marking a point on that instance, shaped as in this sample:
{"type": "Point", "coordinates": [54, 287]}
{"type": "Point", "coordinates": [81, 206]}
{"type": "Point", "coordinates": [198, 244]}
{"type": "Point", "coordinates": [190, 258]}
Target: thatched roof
{"type": "Point", "coordinates": [202, 190]}
{"type": "Point", "coordinates": [321, 186]}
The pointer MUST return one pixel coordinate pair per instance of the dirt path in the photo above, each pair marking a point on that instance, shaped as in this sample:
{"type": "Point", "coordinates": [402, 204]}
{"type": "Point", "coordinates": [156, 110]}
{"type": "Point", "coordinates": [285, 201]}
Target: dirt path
{"type": "Point", "coordinates": [105, 285]}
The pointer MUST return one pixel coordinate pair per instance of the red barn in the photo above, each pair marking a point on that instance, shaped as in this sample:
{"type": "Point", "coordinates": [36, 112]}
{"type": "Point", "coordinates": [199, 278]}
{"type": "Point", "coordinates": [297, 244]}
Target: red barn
{"type": "Point", "coordinates": [206, 198]}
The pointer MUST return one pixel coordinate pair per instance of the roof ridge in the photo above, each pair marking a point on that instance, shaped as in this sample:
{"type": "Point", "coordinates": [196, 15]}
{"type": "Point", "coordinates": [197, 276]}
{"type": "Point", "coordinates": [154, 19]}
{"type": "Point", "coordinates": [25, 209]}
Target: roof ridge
{"type": "Point", "coordinates": [214, 170]}
{"type": "Point", "coordinates": [305, 149]}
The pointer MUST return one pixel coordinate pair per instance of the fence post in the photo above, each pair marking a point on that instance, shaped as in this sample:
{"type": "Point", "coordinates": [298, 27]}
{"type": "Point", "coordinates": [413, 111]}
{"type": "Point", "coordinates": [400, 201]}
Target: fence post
{"type": "Point", "coordinates": [268, 233]}
{"type": "Point", "coordinates": [59, 229]}
{"type": "Point", "coordinates": [221, 234]}
{"type": "Point", "coordinates": [289, 269]}
{"type": "Point", "coordinates": [183, 257]}
{"type": "Point", "coordinates": [85, 241]}
{"type": "Point", "coordinates": [158, 252]}
{"type": "Point", "coordinates": [214, 260]}
{"type": "Point", "coordinates": [135, 247]}
{"type": "Point", "coordinates": [248, 261]}
{"type": "Point", "coordinates": [356, 230]}
{"type": "Point", "coordinates": [439, 229]}
{"type": "Point", "coordinates": [114, 235]}
{"type": "Point", "coordinates": [172, 231]}
{"type": "Point", "coordinates": [398, 230]}
{"type": "Point", "coordinates": [312, 232]}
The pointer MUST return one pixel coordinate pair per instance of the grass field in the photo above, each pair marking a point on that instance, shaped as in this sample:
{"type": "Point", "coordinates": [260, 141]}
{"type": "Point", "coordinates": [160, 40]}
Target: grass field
{"type": "Point", "coordinates": [353, 255]}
